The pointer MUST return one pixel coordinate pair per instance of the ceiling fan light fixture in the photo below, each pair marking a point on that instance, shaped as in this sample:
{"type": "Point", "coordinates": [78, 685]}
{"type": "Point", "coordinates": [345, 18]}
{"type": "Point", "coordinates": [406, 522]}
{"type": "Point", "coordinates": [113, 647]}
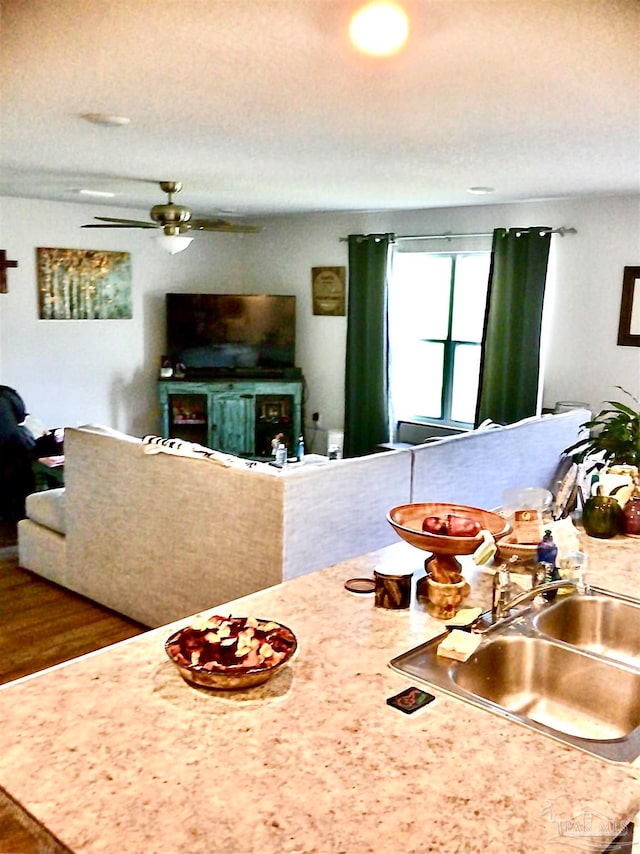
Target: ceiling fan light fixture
{"type": "Point", "coordinates": [379, 28]}
{"type": "Point", "coordinates": [173, 243]}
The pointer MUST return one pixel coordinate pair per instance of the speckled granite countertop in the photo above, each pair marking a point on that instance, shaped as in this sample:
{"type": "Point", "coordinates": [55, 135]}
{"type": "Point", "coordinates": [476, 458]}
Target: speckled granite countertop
{"type": "Point", "coordinates": [113, 752]}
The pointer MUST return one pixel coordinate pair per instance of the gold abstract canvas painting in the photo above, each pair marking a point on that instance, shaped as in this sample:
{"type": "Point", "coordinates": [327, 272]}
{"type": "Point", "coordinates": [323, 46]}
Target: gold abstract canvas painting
{"type": "Point", "coordinates": [83, 284]}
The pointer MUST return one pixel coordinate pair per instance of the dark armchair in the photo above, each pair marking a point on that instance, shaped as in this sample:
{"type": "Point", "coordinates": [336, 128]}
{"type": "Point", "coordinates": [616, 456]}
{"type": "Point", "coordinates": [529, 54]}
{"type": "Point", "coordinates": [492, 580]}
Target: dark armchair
{"type": "Point", "coordinates": [17, 451]}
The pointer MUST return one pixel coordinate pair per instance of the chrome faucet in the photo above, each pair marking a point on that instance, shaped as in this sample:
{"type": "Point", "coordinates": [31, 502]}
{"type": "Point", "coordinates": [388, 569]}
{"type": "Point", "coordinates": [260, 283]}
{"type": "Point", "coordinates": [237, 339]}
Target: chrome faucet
{"type": "Point", "coordinates": [501, 592]}
{"type": "Point", "coordinates": [529, 595]}
{"type": "Point", "coordinates": [501, 608]}
{"type": "Point", "coordinates": [502, 605]}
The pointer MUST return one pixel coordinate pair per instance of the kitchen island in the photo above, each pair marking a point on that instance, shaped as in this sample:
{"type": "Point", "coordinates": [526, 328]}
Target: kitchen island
{"type": "Point", "coordinates": [114, 752]}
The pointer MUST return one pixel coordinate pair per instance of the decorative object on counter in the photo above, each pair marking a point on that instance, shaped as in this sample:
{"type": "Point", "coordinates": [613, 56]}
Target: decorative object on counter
{"type": "Point", "coordinates": [614, 433]}
{"type": "Point", "coordinates": [547, 554]}
{"type": "Point", "coordinates": [410, 700]}
{"type": "Point", "coordinates": [630, 520]}
{"type": "Point", "coordinates": [519, 498]}
{"type": "Point", "coordinates": [601, 516]}
{"type": "Point", "coordinates": [407, 521]}
{"type": "Point", "coordinates": [300, 449]}
{"type": "Point", "coordinates": [509, 547]}
{"type": "Point", "coordinates": [565, 536]}
{"type": "Point", "coordinates": [547, 550]}
{"type": "Point", "coordinates": [392, 590]}
{"type": "Point", "coordinates": [527, 526]}
{"type": "Point", "coordinates": [444, 600]}
{"type": "Point", "coordinates": [360, 586]}
{"type": "Point", "coordinates": [230, 653]}
{"type": "Point", "coordinates": [567, 493]}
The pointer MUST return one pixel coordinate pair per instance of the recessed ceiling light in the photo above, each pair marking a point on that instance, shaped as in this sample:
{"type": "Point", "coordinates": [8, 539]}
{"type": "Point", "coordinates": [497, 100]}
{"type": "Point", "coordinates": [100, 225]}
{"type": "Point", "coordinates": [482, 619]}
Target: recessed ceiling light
{"type": "Point", "coordinates": [106, 119]}
{"type": "Point", "coordinates": [95, 194]}
{"type": "Point", "coordinates": [380, 28]}
{"type": "Point", "coordinates": [481, 191]}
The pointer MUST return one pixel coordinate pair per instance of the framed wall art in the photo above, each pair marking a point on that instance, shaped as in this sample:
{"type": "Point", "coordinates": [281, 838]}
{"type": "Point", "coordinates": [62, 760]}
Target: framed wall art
{"type": "Point", "coordinates": [83, 284]}
{"type": "Point", "coordinates": [629, 328]}
{"type": "Point", "coordinates": [328, 290]}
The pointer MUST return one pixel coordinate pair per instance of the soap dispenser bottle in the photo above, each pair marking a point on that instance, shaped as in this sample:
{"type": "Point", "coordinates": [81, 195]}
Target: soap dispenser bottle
{"type": "Point", "coordinates": [547, 553]}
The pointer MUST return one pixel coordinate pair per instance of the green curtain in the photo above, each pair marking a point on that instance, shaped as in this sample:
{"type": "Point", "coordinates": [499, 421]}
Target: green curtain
{"type": "Point", "coordinates": [366, 419]}
{"type": "Point", "coordinates": [509, 370]}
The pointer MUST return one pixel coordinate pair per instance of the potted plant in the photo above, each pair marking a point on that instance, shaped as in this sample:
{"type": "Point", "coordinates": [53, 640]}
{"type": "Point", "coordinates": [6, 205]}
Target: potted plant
{"type": "Point", "coordinates": [614, 435]}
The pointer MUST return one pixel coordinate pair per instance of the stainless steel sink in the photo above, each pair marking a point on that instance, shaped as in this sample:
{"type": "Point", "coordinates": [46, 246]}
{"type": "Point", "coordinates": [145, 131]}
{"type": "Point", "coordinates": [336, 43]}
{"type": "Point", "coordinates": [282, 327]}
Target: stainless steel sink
{"type": "Point", "coordinates": [601, 624]}
{"type": "Point", "coordinates": [570, 670]}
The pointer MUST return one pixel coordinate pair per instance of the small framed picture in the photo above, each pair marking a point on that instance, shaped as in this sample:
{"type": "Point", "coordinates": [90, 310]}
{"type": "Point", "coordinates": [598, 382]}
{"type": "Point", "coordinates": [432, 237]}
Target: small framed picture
{"type": "Point", "coordinates": [328, 290]}
{"type": "Point", "coordinates": [629, 327]}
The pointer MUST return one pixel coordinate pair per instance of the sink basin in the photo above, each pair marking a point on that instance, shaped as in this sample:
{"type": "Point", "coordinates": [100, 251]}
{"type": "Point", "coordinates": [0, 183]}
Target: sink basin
{"type": "Point", "coordinates": [555, 686]}
{"type": "Point", "coordinates": [570, 670]}
{"type": "Point", "coordinates": [600, 624]}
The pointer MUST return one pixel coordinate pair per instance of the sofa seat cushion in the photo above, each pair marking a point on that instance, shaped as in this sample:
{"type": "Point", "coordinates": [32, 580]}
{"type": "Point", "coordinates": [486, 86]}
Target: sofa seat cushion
{"type": "Point", "coordinates": [47, 509]}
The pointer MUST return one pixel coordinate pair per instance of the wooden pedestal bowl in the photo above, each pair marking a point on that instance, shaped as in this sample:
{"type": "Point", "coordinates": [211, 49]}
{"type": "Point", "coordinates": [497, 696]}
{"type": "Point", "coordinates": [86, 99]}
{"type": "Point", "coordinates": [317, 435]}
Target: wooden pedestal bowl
{"type": "Point", "coordinates": [444, 567]}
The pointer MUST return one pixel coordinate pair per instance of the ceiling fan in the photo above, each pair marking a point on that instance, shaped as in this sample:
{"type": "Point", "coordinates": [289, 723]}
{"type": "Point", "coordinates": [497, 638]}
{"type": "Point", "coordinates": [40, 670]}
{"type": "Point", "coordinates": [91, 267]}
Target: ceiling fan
{"type": "Point", "coordinates": [174, 220]}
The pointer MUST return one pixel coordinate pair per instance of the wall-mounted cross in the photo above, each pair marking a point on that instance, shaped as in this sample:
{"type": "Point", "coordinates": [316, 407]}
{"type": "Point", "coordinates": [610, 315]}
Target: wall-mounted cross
{"type": "Point", "coordinates": [4, 266]}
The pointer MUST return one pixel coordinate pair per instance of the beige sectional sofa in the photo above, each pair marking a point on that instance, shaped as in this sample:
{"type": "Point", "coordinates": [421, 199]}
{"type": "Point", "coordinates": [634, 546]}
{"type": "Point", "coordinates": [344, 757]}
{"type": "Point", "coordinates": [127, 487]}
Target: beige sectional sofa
{"type": "Point", "coordinates": [158, 537]}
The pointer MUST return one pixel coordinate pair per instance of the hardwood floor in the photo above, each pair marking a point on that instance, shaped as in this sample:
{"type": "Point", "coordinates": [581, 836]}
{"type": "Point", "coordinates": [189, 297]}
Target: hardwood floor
{"type": "Point", "coordinates": [41, 624]}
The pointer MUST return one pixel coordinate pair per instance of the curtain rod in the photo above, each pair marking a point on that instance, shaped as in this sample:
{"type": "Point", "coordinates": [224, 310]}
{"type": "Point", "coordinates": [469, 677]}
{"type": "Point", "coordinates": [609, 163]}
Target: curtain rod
{"type": "Point", "coordinates": [448, 235]}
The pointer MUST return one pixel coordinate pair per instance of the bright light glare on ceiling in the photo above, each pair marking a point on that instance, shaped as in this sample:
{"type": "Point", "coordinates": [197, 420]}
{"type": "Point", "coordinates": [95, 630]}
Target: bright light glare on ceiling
{"type": "Point", "coordinates": [380, 28]}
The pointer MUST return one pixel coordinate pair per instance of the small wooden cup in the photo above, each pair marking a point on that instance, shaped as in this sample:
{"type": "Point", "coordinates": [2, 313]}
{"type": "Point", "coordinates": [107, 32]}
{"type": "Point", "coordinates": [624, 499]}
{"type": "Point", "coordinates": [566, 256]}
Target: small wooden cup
{"type": "Point", "coordinates": [444, 600]}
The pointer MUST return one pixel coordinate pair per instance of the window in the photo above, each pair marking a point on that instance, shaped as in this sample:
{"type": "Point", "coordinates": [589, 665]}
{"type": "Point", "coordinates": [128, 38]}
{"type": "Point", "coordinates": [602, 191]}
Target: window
{"type": "Point", "coordinates": [436, 314]}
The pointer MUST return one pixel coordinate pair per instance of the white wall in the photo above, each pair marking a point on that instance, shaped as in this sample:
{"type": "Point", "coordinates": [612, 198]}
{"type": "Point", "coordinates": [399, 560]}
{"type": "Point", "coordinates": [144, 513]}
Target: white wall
{"type": "Point", "coordinates": [99, 371]}
{"type": "Point", "coordinates": [72, 372]}
{"type": "Point", "coordinates": [583, 361]}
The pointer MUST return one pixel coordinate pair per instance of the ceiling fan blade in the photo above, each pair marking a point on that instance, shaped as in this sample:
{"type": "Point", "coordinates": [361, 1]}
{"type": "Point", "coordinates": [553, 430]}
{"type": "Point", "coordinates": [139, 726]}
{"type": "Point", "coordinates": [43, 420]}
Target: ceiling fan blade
{"type": "Point", "coordinates": [111, 225]}
{"type": "Point", "coordinates": [222, 225]}
{"type": "Point", "coordinates": [130, 223]}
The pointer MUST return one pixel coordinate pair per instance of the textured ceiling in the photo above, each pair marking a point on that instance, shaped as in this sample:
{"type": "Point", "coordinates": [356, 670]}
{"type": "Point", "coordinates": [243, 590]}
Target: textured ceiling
{"type": "Point", "coordinates": [261, 106]}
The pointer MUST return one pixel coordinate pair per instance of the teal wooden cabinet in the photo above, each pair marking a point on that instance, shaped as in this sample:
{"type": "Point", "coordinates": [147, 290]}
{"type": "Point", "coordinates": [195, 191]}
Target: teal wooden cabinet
{"type": "Point", "coordinates": [238, 417]}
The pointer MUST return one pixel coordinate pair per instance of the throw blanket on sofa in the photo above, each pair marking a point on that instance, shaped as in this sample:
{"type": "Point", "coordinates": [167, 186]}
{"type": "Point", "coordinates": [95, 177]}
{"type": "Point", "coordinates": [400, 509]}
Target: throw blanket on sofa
{"type": "Point", "coordinates": [180, 448]}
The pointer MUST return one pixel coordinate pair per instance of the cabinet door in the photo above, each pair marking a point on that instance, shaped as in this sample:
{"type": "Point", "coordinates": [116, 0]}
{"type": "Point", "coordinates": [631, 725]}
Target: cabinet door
{"type": "Point", "coordinates": [233, 423]}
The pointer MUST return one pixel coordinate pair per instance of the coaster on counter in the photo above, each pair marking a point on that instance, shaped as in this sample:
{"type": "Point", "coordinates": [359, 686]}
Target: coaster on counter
{"type": "Point", "coordinates": [360, 585]}
{"type": "Point", "coordinates": [410, 700]}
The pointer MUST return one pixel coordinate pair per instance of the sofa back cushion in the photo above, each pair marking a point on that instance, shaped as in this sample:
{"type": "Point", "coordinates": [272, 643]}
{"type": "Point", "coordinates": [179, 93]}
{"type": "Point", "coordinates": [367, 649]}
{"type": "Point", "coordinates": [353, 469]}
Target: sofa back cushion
{"type": "Point", "coordinates": [338, 510]}
{"type": "Point", "coordinates": [475, 468]}
{"type": "Point", "coordinates": [158, 536]}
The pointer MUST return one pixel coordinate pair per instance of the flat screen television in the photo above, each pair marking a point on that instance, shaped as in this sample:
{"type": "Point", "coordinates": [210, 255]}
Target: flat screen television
{"type": "Point", "coordinates": [214, 334]}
